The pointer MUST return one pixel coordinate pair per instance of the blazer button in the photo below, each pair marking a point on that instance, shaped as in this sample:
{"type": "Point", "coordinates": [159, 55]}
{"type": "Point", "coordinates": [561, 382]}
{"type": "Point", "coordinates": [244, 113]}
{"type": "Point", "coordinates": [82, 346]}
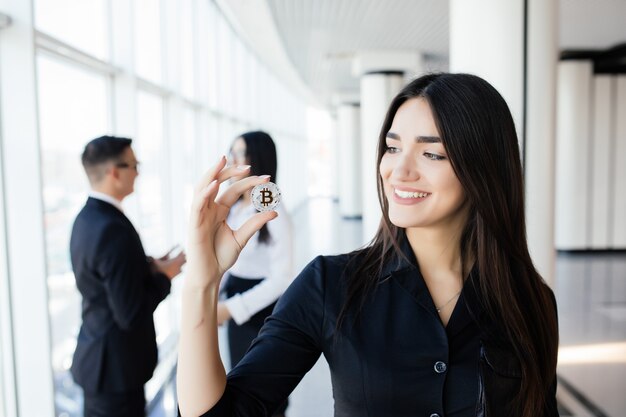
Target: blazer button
{"type": "Point", "coordinates": [440, 367]}
{"type": "Point", "coordinates": [434, 415]}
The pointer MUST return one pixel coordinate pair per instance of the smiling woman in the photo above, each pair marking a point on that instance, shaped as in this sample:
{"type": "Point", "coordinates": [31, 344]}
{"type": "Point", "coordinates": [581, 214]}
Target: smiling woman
{"type": "Point", "coordinates": [444, 302]}
{"type": "Point", "coordinates": [418, 178]}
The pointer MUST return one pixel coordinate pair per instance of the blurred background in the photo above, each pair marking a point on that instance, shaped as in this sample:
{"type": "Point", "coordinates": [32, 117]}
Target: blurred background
{"type": "Point", "coordinates": [184, 77]}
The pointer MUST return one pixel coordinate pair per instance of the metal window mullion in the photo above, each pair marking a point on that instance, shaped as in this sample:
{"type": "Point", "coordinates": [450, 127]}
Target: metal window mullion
{"type": "Point", "coordinates": [23, 216]}
{"type": "Point", "coordinates": [59, 49]}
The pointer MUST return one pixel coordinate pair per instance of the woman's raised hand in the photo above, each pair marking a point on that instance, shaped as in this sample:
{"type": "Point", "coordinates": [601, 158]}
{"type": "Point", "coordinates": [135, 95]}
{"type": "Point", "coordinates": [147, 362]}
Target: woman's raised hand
{"type": "Point", "coordinates": [213, 246]}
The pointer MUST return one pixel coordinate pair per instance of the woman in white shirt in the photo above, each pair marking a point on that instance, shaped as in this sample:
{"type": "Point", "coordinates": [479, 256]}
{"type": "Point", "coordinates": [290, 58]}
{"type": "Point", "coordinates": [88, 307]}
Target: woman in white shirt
{"type": "Point", "coordinates": [264, 268]}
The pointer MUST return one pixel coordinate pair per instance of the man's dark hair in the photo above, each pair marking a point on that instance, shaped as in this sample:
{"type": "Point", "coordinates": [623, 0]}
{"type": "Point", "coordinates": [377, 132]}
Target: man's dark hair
{"type": "Point", "coordinates": [101, 150]}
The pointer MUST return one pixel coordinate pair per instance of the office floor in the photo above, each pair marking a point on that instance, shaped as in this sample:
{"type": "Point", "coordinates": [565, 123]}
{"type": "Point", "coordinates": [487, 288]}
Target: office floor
{"type": "Point", "coordinates": [591, 294]}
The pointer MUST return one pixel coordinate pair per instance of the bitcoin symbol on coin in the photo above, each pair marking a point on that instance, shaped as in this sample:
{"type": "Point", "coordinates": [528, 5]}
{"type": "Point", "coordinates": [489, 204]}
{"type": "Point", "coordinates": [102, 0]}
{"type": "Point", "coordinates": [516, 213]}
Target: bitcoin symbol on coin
{"type": "Point", "coordinates": [265, 196]}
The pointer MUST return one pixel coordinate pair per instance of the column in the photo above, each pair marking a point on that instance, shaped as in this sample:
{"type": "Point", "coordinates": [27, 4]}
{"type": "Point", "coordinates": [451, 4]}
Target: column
{"type": "Point", "coordinates": [516, 51]}
{"type": "Point", "coordinates": [539, 135]}
{"type": "Point", "coordinates": [601, 162]}
{"type": "Point", "coordinates": [382, 77]}
{"type": "Point", "coordinates": [572, 162]}
{"type": "Point", "coordinates": [349, 151]}
{"type": "Point", "coordinates": [618, 221]}
{"type": "Point", "coordinates": [335, 141]}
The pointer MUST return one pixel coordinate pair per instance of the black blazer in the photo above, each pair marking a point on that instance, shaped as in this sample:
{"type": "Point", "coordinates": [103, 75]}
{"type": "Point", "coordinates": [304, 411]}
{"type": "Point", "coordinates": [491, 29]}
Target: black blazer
{"type": "Point", "coordinates": [116, 349]}
{"type": "Point", "coordinates": [396, 360]}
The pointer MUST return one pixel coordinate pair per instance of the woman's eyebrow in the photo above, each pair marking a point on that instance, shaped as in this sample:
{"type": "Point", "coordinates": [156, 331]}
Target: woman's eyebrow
{"type": "Point", "coordinates": [419, 139]}
{"type": "Point", "coordinates": [428, 139]}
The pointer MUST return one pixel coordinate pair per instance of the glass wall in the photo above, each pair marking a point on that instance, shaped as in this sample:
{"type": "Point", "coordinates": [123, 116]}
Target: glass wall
{"type": "Point", "coordinates": [83, 24]}
{"type": "Point", "coordinates": [176, 78]}
{"type": "Point", "coordinates": [3, 296]}
{"type": "Point", "coordinates": [73, 105]}
{"type": "Point", "coordinates": [3, 285]}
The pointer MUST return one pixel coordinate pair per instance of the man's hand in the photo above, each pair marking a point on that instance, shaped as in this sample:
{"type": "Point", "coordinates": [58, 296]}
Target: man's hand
{"type": "Point", "coordinates": [167, 255]}
{"type": "Point", "coordinates": [171, 266]}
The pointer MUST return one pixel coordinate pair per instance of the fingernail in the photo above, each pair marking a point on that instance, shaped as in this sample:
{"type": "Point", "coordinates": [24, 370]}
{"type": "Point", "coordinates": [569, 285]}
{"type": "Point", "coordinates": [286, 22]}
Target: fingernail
{"type": "Point", "coordinates": [265, 177]}
{"type": "Point", "coordinates": [243, 167]}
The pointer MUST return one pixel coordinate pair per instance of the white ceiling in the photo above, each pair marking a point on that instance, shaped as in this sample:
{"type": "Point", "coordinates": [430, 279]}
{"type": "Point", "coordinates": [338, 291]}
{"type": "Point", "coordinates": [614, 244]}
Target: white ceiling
{"type": "Point", "coordinates": [320, 37]}
{"type": "Point", "coordinates": [592, 24]}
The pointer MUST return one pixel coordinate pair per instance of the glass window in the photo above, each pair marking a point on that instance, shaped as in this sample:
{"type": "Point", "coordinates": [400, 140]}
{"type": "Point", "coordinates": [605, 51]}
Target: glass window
{"type": "Point", "coordinates": [187, 48]}
{"type": "Point", "coordinates": [248, 102]}
{"type": "Point", "coordinates": [264, 102]}
{"type": "Point", "coordinates": [151, 218]}
{"type": "Point", "coordinates": [2, 408]}
{"type": "Point", "coordinates": [149, 190]}
{"type": "Point", "coordinates": [239, 85]}
{"type": "Point", "coordinates": [225, 62]}
{"type": "Point", "coordinates": [205, 140]}
{"type": "Point", "coordinates": [214, 59]}
{"type": "Point", "coordinates": [221, 143]}
{"type": "Point", "coordinates": [73, 108]}
{"type": "Point", "coordinates": [255, 104]}
{"type": "Point", "coordinates": [81, 23]}
{"type": "Point", "coordinates": [203, 53]}
{"type": "Point", "coordinates": [213, 144]}
{"type": "Point", "coordinates": [4, 297]}
{"type": "Point", "coordinates": [191, 158]}
{"type": "Point", "coordinates": [147, 17]}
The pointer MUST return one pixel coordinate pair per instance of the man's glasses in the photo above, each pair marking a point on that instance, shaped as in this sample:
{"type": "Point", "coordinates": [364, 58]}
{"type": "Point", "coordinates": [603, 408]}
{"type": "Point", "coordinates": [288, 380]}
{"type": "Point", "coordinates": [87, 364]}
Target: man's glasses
{"type": "Point", "coordinates": [134, 166]}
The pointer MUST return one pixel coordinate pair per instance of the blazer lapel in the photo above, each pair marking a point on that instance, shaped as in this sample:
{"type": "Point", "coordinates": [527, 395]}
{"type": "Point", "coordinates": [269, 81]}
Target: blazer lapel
{"type": "Point", "coordinates": [468, 308]}
{"type": "Point", "coordinates": [405, 272]}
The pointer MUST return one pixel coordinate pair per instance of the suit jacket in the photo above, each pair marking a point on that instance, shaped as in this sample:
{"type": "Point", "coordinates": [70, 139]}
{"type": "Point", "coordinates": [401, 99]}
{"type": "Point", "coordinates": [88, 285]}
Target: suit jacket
{"type": "Point", "coordinates": [396, 360]}
{"type": "Point", "coordinates": [116, 349]}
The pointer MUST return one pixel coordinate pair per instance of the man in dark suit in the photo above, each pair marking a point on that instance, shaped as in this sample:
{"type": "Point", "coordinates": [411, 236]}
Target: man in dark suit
{"type": "Point", "coordinates": [116, 351]}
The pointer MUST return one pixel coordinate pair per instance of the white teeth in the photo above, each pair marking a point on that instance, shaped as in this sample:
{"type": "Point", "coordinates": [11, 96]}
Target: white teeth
{"type": "Point", "coordinates": [409, 194]}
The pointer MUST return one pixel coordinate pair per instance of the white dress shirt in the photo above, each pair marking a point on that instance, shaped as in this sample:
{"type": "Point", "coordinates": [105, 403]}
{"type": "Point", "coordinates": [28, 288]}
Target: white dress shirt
{"type": "Point", "coordinates": [272, 261]}
{"type": "Point", "coordinates": [107, 199]}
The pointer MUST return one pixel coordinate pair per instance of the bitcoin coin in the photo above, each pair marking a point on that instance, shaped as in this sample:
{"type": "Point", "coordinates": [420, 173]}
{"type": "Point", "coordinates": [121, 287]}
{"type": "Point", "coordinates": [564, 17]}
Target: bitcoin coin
{"type": "Point", "coordinates": [266, 196]}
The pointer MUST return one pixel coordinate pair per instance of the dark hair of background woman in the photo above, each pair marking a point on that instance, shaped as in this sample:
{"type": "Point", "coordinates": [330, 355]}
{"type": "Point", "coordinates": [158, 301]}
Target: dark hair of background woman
{"type": "Point", "coordinates": [261, 156]}
{"type": "Point", "coordinates": [479, 136]}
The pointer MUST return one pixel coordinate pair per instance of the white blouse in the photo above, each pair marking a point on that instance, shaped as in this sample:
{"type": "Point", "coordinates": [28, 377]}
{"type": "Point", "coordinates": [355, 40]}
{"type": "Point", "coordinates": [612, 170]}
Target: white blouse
{"type": "Point", "coordinates": [272, 261]}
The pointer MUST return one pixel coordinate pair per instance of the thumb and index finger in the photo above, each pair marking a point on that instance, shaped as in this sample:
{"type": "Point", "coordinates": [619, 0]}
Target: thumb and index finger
{"type": "Point", "coordinates": [207, 190]}
{"type": "Point", "coordinates": [211, 175]}
{"type": "Point", "coordinates": [253, 225]}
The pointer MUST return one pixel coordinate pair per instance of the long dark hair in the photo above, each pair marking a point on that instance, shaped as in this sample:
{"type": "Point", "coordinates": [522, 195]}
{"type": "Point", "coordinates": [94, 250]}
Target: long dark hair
{"type": "Point", "coordinates": [478, 133]}
{"type": "Point", "coordinates": [261, 156]}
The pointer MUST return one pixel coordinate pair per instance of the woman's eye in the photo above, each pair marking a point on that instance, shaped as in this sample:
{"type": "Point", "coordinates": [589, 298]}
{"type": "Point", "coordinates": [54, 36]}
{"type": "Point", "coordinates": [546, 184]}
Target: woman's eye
{"type": "Point", "coordinates": [434, 156]}
{"type": "Point", "coordinates": [391, 149]}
